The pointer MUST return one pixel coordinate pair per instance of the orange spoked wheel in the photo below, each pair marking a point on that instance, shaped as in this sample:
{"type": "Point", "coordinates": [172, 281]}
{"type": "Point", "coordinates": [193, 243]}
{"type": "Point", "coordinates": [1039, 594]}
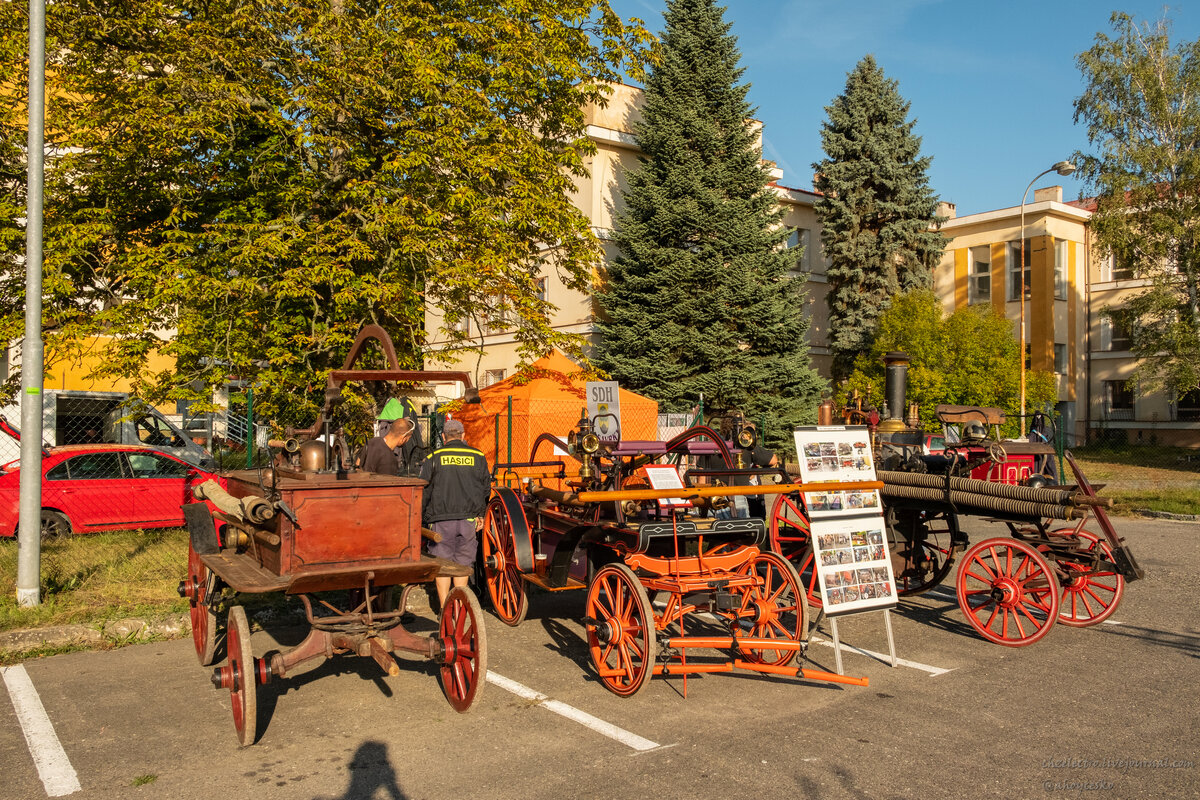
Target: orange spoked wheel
{"type": "Point", "coordinates": [620, 629]}
{"type": "Point", "coordinates": [1008, 592]}
{"type": "Point", "coordinates": [1089, 594]}
{"type": "Point", "coordinates": [198, 588]}
{"type": "Point", "coordinates": [506, 589]}
{"type": "Point", "coordinates": [773, 608]}
{"type": "Point", "coordinates": [464, 663]}
{"type": "Point", "coordinates": [791, 537]}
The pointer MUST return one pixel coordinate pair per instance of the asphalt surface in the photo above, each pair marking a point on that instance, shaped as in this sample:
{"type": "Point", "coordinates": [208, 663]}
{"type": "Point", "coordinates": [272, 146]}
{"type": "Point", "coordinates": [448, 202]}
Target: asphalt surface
{"type": "Point", "coordinates": [1108, 711]}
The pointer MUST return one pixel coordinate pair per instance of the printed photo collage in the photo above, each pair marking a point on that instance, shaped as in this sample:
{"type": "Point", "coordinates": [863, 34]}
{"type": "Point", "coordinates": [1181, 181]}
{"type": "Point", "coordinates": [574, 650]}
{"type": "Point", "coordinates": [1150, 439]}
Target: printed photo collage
{"type": "Point", "coordinates": [829, 459]}
{"type": "Point", "coordinates": [850, 563]}
{"type": "Point", "coordinates": [850, 547]}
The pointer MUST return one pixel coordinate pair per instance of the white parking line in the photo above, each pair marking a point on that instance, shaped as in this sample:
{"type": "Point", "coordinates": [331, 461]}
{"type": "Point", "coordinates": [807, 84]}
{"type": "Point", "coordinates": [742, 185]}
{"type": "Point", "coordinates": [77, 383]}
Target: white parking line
{"type": "Point", "coordinates": [53, 766]}
{"type": "Point", "coordinates": [887, 659]}
{"type": "Point", "coordinates": [582, 717]}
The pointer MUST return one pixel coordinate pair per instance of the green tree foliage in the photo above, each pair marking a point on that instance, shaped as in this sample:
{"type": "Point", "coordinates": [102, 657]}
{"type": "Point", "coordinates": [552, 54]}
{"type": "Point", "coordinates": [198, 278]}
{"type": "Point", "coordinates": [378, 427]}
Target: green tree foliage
{"type": "Point", "coordinates": [242, 186]}
{"type": "Point", "coordinates": [877, 211]}
{"type": "Point", "coordinates": [967, 358]}
{"type": "Point", "coordinates": [1142, 113]}
{"type": "Point", "coordinates": [700, 299]}
{"type": "Point", "coordinates": [14, 87]}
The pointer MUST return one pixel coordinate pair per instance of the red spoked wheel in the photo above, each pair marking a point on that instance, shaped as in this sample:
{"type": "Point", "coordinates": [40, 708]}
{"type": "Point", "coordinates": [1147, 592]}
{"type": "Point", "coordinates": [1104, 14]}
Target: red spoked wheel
{"type": "Point", "coordinates": [791, 537]}
{"type": "Point", "coordinates": [241, 679]}
{"type": "Point", "coordinates": [197, 589]}
{"type": "Point", "coordinates": [620, 629]}
{"type": "Point", "coordinates": [464, 664]}
{"type": "Point", "coordinates": [1008, 592]}
{"type": "Point", "coordinates": [1088, 596]}
{"type": "Point", "coordinates": [506, 589]}
{"type": "Point", "coordinates": [774, 608]}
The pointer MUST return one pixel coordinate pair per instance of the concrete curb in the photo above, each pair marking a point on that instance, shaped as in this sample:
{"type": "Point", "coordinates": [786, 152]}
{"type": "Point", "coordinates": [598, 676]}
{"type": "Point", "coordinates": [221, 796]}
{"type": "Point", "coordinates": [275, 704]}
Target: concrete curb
{"type": "Point", "coordinates": [119, 631]}
{"type": "Point", "coordinates": [1145, 512]}
{"type": "Point", "coordinates": [132, 630]}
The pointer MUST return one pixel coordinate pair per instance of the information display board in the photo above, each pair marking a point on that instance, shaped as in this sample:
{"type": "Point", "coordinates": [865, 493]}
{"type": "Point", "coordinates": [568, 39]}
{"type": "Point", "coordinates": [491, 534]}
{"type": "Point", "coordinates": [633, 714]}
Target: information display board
{"type": "Point", "coordinates": [666, 477]}
{"type": "Point", "coordinates": [849, 537]}
{"type": "Point", "coordinates": [604, 407]}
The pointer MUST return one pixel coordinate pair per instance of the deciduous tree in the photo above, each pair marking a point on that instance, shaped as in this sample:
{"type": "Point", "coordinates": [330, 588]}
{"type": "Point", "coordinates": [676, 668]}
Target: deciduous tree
{"type": "Point", "coordinates": [967, 358]}
{"type": "Point", "coordinates": [242, 186]}
{"type": "Point", "coordinates": [1141, 106]}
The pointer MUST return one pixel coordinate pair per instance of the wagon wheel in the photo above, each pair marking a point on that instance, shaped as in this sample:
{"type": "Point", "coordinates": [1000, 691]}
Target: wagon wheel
{"type": "Point", "coordinates": [791, 537]}
{"type": "Point", "coordinates": [620, 629]}
{"type": "Point", "coordinates": [241, 680]}
{"type": "Point", "coordinates": [1008, 592]}
{"type": "Point", "coordinates": [198, 589]}
{"type": "Point", "coordinates": [922, 548]}
{"type": "Point", "coordinates": [505, 587]}
{"type": "Point", "coordinates": [1087, 597]}
{"type": "Point", "coordinates": [772, 609]}
{"type": "Point", "coordinates": [464, 665]}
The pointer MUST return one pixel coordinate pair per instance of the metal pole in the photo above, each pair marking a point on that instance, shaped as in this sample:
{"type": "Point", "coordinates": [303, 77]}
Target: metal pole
{"type": "Point", "coordinates": [29, 557]}
{"type": "Point", "coordinates": [250, 430]}
{"type": "Point", "coordinates": [510, 429]}
{"type": "Point", "coordinates": [1062, 168]}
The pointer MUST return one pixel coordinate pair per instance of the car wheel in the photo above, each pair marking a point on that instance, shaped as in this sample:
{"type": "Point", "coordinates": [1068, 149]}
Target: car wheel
{"type": "Point", "coordinates": [54, 524]}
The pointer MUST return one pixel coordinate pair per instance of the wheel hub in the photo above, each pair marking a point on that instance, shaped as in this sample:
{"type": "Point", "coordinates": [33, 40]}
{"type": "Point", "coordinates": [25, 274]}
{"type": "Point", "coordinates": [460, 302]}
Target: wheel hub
{"type": "Point", "coordinates": [1006, 591]}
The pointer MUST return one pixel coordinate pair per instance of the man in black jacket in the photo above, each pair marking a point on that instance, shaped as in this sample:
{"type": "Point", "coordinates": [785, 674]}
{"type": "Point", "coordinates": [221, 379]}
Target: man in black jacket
{"type": "Point", "coordinates": [455, 500]}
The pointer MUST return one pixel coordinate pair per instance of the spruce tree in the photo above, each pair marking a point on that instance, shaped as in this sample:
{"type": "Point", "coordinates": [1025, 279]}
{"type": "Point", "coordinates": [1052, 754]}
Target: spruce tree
{"type": "Point", "coordinates": [877, 211]}
{"type": "Point", "coordinates": [700, 299]}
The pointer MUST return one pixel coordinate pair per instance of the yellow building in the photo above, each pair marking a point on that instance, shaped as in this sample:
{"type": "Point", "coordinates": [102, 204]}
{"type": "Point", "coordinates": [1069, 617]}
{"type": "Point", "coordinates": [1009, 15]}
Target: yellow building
{"type": "Point", "coordinates": [1067, 287]}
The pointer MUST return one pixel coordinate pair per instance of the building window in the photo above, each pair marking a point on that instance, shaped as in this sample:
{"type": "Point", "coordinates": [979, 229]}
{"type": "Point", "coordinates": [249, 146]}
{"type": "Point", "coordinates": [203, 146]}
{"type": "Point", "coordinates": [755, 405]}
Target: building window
{"type": "Point", "coordinates": [979, 275]}
{"type": "Point", "coordinates": [496, 317]}
{"type": "Point", "coordinates": [1118, 401]}
{"type": "Point", "coordinates": [1015, 272]}
{"type": "Point", "coordinates": [1060, 358]}
{"type": "Point", "coordinates": [1118, 335]}
{"type": "Point", "coordinates": [492, 377]}
{"type": "Point", "coordinates": [541, 289]}
{"type": "Point", "coordinates": [1060, 269]}
{"type": "Point", "coordinates": [457, 324]}
{"type": "Point", "coordinates": [800, 240]}
{"type": "Point", "coordinates": [1187, 407]}
{"type": "Point", "coordinates": [1122, 265]}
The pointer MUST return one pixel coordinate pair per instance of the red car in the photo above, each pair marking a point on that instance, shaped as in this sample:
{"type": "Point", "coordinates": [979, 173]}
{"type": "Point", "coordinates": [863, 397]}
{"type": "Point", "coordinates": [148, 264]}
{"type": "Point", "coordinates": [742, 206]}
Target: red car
{"type": "Point", "coordinates": [101, 487]}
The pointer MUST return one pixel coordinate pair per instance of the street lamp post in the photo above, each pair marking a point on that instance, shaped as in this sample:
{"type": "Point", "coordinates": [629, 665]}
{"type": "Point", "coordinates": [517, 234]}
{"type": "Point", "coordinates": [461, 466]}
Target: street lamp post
{"type": "Point", "coordinates": [1062, 168]}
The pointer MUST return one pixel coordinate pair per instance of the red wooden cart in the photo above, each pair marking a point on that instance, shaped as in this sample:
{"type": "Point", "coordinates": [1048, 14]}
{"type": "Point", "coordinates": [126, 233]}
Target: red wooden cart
{"type": "Point", "coordinates": [341, 541]}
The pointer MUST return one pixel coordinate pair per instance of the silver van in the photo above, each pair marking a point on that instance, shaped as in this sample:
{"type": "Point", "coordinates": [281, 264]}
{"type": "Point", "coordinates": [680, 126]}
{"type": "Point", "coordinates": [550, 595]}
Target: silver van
{"type": "Point", "coordinates": [134, 422]}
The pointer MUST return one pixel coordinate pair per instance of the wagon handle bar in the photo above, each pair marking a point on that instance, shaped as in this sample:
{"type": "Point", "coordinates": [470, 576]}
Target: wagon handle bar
{"type": "Point", "coordinates": [725, 491]}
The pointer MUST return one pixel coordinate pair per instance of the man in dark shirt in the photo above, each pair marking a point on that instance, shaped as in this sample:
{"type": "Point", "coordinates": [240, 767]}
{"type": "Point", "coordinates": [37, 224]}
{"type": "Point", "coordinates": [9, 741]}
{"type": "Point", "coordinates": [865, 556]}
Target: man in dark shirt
{"type": "Point", "coordinates": [378, 457]}
{"type": "Point", "coordinates": [455, 500]}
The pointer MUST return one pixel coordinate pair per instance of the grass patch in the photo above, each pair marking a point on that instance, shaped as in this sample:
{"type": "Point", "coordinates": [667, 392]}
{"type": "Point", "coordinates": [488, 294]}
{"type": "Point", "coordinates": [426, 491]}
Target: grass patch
{"type": "Point", "coordinates": [1153, 477]}
{"type": "Point", "coordinates": [142, 780]}
{"type": "Point", "coordinates": [97, 577]}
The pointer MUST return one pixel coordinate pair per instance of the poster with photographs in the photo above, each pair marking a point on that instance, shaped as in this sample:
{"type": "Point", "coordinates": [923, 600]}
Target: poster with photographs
{"type": "Point", "coordinates": [852, 564]}
{"type": "Point", "coordinates": [837, 454]}
{"type": "Point", "coordinates": [849, 537]}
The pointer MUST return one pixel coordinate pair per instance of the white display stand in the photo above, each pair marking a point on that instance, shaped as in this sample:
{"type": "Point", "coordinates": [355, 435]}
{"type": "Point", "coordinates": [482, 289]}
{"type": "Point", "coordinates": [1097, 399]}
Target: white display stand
{"type": "Point", "coordinates": [849, 538]}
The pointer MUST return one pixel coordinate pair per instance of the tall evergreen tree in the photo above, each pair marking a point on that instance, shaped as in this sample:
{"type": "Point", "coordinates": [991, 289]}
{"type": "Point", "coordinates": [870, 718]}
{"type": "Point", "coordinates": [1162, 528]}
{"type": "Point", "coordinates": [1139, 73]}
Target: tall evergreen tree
{"type": "Point", "coordinates": [700, 299]}
{"type": "Point", "coordinates": [877, 211]}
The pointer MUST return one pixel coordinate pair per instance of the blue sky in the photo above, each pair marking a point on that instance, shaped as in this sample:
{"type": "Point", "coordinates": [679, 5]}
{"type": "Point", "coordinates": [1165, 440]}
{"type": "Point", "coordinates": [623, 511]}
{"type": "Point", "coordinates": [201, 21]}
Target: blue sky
{"type": "Point", "coordinates": [991, 84]}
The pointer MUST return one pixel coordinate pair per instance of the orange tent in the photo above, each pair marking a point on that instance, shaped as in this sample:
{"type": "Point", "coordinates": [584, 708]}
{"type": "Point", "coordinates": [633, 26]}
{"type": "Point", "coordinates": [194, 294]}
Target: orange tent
{"type": "Point", "coordinates": [548, 397]}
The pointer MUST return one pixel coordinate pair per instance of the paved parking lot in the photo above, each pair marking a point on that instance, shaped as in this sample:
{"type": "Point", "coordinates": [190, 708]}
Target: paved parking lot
{"type": "Point", "coordinates": [1108, 711]}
